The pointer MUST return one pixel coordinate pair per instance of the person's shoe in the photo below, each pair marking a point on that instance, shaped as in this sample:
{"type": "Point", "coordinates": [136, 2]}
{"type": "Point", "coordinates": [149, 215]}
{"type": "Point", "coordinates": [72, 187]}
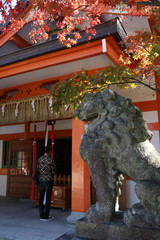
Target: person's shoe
{"type": "Point", "coordinates": [42, 219]}
{"type": "Point", "coordinates": [48, 219]}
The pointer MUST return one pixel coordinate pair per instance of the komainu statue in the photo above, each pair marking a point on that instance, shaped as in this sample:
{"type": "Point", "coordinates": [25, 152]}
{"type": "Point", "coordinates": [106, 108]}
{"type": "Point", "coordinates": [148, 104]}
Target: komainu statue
{"type": "Point", "coordinates": [117, 141]}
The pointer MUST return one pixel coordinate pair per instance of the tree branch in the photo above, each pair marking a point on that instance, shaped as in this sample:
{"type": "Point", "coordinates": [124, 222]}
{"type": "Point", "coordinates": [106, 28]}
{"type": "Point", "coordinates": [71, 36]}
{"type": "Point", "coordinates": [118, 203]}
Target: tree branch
{"type": "Point", "coordinates": [148, 52]}
{"type": "Point", "coordinates": [140, 82]}
{"type": "Point", "coordinates": [147, 3]}
{"type": "Point", "coordinates": [129, 82]}
{"type": "Point", "coordinates": [155, 3]}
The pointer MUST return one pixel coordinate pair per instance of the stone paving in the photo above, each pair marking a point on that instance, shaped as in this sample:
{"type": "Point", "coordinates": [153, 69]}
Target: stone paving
{"type": "Point", "coordinates": [19, 220]}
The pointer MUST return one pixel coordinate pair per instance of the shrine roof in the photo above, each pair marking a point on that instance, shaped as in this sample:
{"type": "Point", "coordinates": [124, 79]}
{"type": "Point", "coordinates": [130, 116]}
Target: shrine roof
{"type": "Point", "coordinates": [112, 28]}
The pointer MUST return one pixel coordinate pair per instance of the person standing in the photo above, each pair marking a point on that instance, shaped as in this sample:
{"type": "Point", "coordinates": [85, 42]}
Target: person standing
{"type": "Point", "coordinates": [45, 170]}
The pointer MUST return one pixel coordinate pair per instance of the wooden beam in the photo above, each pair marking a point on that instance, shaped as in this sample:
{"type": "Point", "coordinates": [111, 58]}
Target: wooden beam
{"type": "Point", "coordinates": [112, 50]}
{"type": "Point", "coordinates": [52, 59]}
{"type": "Point", "coordinates": [65, 56]}
{"type": "Point", "coordinates": [3, 94]}
{"type": "Point", "coordinates": [19, 41]}
{"type": "Point", "coordinates": [5, 37]}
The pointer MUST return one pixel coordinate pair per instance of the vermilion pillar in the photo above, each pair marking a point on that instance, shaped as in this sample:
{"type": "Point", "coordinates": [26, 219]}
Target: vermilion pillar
{"type": "Point", "coordinates": [27, 131]}
{"type": "Point", "coordinates": [80, 173]}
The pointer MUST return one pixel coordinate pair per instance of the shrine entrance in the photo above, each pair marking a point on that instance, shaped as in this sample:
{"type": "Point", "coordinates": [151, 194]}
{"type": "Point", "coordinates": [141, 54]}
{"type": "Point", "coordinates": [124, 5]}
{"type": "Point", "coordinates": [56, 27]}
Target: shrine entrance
{"type": "Point", "coordinates": [62, 178]}
{"type": "Point", "coordinates": [62, 153]}
{"type": "Point", "coordinates": [19, 180]}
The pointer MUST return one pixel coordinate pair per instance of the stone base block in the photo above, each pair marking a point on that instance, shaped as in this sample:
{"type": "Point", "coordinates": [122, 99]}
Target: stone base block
{"type": "Point", "coordinates": [115, 230]}
{"type": "Point", "coordinates": [74, 216]}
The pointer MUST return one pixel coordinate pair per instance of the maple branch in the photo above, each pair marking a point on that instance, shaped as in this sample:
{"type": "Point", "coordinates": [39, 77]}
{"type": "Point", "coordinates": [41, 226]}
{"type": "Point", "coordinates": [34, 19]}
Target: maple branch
{"type": "Point", "coordinates": [135, 80]}
{"type": "Point", "coordinates": [140, 82]}
{"type": "Point", "coordinates": [130, 82]}
{"type": "Point", "coordinates": [123, 83]}
{"type": "Point", "coordinates": [148, 52]}
{"type": "Point", "coordinates": [155, 3]}
{"type": "Point", "coordinates": [84, 6]}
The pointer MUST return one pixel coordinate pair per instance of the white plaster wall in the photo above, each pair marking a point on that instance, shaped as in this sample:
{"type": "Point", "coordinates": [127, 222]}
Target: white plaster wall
{"type": "Point", "coordinates": [155, 140]}
{"type": "Point", "coordinates": [151, 117]}
{"type": "Point", "coordinates": [11, 129]}
{"type": "Point", "coordinates": [20, 128]}
{"type": "Point", "coordinates": [59, 125]}
{"type": "Point", "coordinates": [3, 185]}
{"type": "Point", "coordinates": [131, 197]}
{"type": "Point", "coordinates": [140, 94]}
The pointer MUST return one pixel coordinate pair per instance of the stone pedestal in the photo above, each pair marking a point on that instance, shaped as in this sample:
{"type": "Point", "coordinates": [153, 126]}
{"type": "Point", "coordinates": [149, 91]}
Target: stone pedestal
{"type": "Point", "coordinates": [74, 216]}
{"type": "Point", "coordinates": [115, 230]}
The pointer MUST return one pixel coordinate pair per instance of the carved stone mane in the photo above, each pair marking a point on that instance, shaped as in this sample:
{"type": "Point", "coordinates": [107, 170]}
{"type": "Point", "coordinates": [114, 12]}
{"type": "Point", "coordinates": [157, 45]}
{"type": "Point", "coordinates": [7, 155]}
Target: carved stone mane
{"type": "Point", "coordinates": [116, 142]}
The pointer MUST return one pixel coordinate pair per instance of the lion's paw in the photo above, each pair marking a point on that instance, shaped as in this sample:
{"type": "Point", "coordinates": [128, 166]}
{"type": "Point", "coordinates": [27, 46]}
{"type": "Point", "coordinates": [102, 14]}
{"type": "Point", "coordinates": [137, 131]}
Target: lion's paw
{"type": "Point", "coordinates": [96, 214]}
{"type": "Point", "coordinates": [137, 216]}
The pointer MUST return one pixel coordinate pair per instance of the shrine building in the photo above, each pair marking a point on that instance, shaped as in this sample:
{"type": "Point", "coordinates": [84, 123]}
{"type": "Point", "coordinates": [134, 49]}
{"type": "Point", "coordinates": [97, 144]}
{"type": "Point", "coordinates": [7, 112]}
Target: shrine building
{"type": "Point", "coordinates": [27, 74]}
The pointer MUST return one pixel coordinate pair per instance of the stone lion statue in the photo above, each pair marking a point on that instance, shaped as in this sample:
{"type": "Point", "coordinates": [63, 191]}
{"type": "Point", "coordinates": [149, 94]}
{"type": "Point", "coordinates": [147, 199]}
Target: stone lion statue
{"type": "Point", "coordinates": [117, 141]}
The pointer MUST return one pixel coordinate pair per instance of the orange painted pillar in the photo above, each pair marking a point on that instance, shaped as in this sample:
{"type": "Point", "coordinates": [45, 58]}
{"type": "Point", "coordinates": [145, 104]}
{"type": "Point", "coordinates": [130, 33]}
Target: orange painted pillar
{"type": "Point", "coordinates": [80, 173]}
{"type": "Point", "coordinates": [27, 131]}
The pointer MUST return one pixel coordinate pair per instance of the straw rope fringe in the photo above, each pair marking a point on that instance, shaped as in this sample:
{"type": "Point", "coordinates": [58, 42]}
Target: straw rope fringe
{"type": "Point", "coordinates": [30, 109]}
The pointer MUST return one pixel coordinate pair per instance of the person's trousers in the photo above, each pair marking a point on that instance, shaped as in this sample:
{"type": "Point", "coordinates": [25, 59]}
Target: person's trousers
{"type": "Point", "coordinates": [45, 187]}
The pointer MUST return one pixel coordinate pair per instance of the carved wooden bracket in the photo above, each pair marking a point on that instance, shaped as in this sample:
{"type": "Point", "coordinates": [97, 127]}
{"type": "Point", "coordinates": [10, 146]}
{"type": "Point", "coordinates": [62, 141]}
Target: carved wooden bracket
{"type": "Point", "coordinates": [2, 94]}
{"type": "Point", "coordinates": [19, 41]}
{"type": "Point", "coordinates": [28, 92]}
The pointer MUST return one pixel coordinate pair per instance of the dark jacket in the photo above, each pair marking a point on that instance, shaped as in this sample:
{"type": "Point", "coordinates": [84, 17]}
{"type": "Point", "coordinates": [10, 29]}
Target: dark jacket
{"type": "Point", "coordinates": [45, 168]}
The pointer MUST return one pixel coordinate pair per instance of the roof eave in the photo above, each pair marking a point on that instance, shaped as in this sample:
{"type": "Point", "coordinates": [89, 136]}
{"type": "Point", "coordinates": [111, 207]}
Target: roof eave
{"type": "Point", "coordinates": [110, 28]}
